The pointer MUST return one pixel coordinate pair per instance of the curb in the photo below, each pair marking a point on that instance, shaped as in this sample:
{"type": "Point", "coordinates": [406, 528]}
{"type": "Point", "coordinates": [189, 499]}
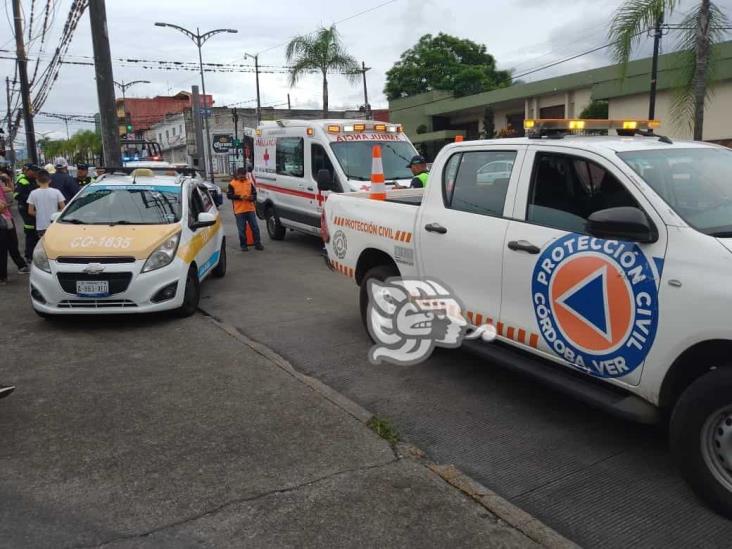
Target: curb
{"type": "Point", "coordinates": [519, 519]}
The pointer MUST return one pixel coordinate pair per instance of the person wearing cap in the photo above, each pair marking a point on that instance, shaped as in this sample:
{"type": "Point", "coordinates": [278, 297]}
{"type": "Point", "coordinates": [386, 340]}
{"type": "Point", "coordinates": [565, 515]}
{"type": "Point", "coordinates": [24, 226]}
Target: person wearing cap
{"type": "Point", "coordinates": [418, 165]}
{"type": "Point", "coordinates": [24, 184]}
{"type": "Point", "coordinates": [82, 175]}
{"type": "Point", "coordinates": [62, 181]}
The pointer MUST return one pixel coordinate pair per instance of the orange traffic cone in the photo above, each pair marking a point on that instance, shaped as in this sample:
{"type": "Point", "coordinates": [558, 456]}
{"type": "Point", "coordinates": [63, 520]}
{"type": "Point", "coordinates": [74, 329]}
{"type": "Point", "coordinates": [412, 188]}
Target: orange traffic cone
{"type": "Point", "coordinates": [378, 185]}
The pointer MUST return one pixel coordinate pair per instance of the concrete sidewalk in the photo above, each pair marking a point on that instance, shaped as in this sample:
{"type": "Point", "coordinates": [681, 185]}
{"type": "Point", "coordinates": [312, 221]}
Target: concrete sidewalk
{"type": "Point", "coordinates": [152, 431]}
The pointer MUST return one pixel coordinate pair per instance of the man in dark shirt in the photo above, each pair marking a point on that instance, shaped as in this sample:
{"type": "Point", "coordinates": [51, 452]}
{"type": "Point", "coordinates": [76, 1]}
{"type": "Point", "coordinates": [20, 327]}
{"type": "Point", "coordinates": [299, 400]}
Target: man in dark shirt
{"type": "Point", "coordinates": [62, 181]}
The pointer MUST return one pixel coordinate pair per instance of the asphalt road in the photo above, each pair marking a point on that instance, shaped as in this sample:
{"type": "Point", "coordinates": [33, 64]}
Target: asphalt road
{"type": "Point", "coordinates": [598, 481]}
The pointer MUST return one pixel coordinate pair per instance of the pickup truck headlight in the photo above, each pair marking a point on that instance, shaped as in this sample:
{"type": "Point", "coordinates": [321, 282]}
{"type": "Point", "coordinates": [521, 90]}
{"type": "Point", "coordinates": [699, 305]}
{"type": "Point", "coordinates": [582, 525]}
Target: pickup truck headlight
{"type": "Point", "coordinates": [163, 255]}
{"type": "Point", "coordinates": [40, 259]}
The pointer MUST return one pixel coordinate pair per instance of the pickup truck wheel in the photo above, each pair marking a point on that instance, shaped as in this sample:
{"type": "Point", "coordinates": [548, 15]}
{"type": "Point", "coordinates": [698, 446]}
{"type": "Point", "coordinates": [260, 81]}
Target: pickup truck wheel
{"type": "Point", "coordinates": [192, 295]}
{"type": "Point", "coordinates": [380, 273]}
{"type": "Point", "coordinates": [701, 438]}
{"type": "Point", "coordinates": [220, 270]}
{"type": "Point", "coordinates": [274, 229]}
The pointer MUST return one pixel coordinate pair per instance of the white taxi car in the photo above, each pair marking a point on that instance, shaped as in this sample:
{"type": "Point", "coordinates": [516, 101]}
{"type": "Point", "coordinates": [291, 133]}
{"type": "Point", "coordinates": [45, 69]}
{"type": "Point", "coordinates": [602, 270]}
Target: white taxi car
{"type": "Point", "coordinates": [136, 240]}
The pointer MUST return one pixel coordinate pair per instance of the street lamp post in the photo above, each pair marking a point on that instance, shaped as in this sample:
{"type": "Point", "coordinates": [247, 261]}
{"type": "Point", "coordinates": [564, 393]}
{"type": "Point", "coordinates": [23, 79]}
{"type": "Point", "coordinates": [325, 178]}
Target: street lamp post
{"type": "Point", "coordinates": [256, 77]}
{"type": "Point", "coordinates": [199, 40]}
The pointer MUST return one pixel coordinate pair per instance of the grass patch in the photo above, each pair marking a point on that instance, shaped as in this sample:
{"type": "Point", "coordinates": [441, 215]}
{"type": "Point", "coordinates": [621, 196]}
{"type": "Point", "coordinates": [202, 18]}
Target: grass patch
{"type": "Point", "coordinates": [384, 429]}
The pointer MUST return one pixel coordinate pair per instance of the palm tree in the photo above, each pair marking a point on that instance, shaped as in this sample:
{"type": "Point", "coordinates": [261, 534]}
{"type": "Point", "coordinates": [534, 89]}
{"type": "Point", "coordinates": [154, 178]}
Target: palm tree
{"type": "Point", "coordinates": [701, 29]}
{"type": "Point", "coordinates": [321, 51]}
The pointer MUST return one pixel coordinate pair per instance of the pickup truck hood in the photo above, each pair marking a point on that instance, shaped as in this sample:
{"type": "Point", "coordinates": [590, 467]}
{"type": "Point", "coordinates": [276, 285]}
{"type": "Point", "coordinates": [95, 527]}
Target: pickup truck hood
{"type": "Point", "coordinates": [138, 241]}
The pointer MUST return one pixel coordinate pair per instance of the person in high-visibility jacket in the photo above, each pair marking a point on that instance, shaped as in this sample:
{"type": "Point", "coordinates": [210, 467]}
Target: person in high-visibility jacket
{"type": "Point", "coordinates": [418, 165]}
{"type": "Point", "coordinates": [24, 184]}
{"type": "Point", "coordinates": [243, 194]}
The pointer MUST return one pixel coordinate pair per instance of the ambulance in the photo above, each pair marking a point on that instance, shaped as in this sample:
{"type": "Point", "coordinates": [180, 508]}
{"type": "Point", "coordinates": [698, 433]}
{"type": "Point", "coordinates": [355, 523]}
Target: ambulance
{"type": "Point", "coordinates": [136, 240]}
{"type": "Point", "coordinates": [289, 155]}
{"type": "Point", "coordinates": [602, 263]}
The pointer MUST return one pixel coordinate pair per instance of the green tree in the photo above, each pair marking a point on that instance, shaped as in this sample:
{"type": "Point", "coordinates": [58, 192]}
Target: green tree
{"type": "Point", "coordinates": [444, 62]}
{"type": "Point", "coordinates": [597, 109]}
{"type": "Point", "coordinates": [701, 29]}
{"type": "Point", "coordinates": [322, 51]}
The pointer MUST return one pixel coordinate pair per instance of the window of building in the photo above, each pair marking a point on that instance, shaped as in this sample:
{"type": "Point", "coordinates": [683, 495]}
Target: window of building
{"type": "Point", "coordinates": [167, 135]}
{"type": "Point", "coordinates": [566, 190]}
{"type": "Point", "coordinates": [173, 129]}
{"type": "Point", "coordinates": [160, 138]}
{"type": "Point", "coordinates": [477, 181]}
{"type": "Point", "coordinates": [290, 158]}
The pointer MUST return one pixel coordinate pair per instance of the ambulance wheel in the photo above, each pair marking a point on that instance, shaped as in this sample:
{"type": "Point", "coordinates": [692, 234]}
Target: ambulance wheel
{"type": "Point", "coordinates": [701, 438]}
{"type": "Point", "coordinates": [191, 296]}
{"type": "Point", "coordinates": [380, 273]}
{"type": "Point", "coordinates": [219, 270]}
{"type": "Point", "coordinates": [274, 229]}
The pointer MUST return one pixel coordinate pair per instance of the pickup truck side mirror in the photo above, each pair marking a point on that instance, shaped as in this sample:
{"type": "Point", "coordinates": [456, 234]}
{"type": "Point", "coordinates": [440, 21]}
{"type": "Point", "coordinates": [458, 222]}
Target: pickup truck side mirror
{"type": "Point", "coordinates": [622, 223]}
{"type": "Point", "coordinates": [325, 180]}
{"type": "Point", "coordinates": [205, 219]}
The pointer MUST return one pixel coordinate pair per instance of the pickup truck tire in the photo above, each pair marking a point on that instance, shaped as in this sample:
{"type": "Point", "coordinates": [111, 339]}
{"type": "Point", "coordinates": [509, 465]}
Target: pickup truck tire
{"type": "Point", "coordinates": [219, 270]}
{"type": "Point", "coordinates": [701, 438]}
{"type": "Point", "coordinates": [192, 295]}
{"type": "Point", "coordinates": [380, 273]}
{"type": "Point", "coordinates": [274, 229]}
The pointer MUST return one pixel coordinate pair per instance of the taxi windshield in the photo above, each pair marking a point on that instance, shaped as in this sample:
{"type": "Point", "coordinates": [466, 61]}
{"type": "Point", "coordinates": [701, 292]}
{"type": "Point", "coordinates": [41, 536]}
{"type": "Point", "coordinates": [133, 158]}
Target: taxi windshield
{"type": "Point", "coordinates": [125, 205]}
{"type": "Point", "coordinates": [694, 182]}
{"type": "Point", "coordinates": [355, 158]}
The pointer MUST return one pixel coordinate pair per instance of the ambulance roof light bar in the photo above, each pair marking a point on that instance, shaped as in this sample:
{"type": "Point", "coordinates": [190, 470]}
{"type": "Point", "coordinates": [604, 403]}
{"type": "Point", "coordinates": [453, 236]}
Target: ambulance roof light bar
{"type": "Point", "coordinates": [539, 127]}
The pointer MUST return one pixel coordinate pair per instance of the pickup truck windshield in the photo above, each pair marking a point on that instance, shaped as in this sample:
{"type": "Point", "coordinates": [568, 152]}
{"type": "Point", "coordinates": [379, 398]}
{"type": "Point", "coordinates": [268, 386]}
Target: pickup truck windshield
{"type": "Point", "coordinates": [696, 183]}
{"type": "Point", "coordinates": [125, 205]}
{"type": "Point", "coordinates": [355, 158]}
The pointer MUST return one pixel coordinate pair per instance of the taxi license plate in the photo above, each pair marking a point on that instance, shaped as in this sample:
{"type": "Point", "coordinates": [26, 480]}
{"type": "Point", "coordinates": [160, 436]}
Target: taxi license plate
{"type": "Point", "coordinates": [92, 288]}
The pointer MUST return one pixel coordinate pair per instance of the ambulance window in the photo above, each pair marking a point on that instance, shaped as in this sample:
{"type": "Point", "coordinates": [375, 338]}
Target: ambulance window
{"type": "Point", "coordinates": [319, 160]}
{"type": "Point", "coordinates": [290, 156]}
{"type": "Point", "coordinates": [566, 190]}
{"type": "Point", "coordinates": [480, 181]}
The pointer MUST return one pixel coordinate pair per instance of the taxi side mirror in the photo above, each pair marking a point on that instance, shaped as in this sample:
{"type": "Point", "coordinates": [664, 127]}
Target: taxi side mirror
{"type": "Point", "coordinates": [622, 223]}
{"type": "Point", "coordinates": [324, 180]}
{"type": "Point", "coordinates": [205, 219]}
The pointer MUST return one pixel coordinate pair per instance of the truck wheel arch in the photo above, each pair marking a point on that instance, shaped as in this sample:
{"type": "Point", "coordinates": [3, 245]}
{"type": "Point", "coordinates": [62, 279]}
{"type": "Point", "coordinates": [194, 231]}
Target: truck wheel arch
{"type": "Point", "coordinates": [693, 363]}
{"type": "Point", "coordinates": [370, 258]}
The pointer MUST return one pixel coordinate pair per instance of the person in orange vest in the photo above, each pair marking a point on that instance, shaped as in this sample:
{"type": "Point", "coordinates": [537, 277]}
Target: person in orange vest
{"type": "Point", "coordinates": [243, 195]}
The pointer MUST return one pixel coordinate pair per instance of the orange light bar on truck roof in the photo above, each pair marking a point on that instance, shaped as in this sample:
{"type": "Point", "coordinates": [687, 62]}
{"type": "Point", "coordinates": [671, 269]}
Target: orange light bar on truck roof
{"type": "Point", "coordinates": [380, 127]}
{"type": "Point", "coordinates": [334, 128]}
{"type": "Point", "coordinates": [309, 131]}
{"type": "Point", "coordinates": [359, 127]}
{"type": "Point", "coordinates": [588, 124]}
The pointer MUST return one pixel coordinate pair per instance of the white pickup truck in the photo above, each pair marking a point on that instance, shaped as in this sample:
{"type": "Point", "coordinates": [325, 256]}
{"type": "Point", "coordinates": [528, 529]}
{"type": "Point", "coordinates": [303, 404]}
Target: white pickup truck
{"type": "Point", "coordinates": [603, 262]}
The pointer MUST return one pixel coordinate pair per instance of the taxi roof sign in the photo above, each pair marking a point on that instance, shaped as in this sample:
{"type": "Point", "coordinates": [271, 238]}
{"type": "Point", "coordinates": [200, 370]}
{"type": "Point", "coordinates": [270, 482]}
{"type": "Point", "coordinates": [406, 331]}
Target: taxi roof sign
{"type": "Point", "coordinates": [538, 125]}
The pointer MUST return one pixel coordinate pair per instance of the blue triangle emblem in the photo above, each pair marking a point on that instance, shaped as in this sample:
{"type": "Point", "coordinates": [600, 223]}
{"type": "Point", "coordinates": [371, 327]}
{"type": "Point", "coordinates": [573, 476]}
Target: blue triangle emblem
{"type": "Point", "coordinates": [587, 300]}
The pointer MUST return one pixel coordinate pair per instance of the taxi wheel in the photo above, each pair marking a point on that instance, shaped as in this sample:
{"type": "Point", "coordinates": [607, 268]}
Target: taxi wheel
{"type": "Point", "coordinates": [274, 229]}
{"type": "Point", "coordinates": [701, 438]}
{"type": "Point", "coordinates": [220, 269]}
{"type": "Point", "coordinates": [192, 295]}
{"type": "Point", "coordinates": [380, 273]}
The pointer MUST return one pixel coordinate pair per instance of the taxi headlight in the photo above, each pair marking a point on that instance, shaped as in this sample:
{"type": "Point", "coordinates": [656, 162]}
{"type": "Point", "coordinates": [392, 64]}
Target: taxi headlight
{"type": "Point", "coordinates": [40, 259]}
{"type": "Point", "coordinates": [163, 255]}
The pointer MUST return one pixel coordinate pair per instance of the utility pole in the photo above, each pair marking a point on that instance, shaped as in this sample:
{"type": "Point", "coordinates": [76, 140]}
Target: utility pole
{"type": "Point", "coordinates": [256, 77]}
{"type": "Point", "coordinates": [366, 106]}
{"type": "Point", "coordinates": [235, 116]}
{"type": "Point", "coordinates": [657, 34]}
{"type": "Point", "coordinates": [197, 130]}
{"type": "Point", "coordinates": [9, 144]}
{"type": "Point", "coordinates": [30, 134]}
{"type": "Point", "coordinates": [289, 108]}
{"type": "Point", "coordinates": [105, 84]}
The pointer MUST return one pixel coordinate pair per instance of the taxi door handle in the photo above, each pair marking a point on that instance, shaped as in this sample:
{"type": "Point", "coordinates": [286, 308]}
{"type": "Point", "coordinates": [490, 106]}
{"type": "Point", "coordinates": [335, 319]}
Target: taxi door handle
{"type": "Point", "coordinates": [523, 246]}
{"type": "Point", "coordinates": [435, 228]}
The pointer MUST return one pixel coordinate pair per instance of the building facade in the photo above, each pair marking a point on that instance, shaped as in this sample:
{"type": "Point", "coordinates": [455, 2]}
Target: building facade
{"type": "Point", "coordinates": [137, 115]}
{"type": "Point", "coordinates": [433, 119]}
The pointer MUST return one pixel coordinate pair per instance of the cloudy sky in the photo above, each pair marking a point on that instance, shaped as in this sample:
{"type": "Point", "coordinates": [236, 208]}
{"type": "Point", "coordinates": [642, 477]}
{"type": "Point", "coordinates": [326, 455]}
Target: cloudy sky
{"type": "Point", "coordinates": [522, 34]}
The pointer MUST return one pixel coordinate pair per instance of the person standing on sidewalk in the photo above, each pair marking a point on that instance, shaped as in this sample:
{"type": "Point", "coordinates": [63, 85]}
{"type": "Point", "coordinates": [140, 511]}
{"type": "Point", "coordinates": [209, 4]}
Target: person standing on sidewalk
{"type": "Point", "coordinates": [24, 184]}
{"type": "Point", "coordinates": [243, 194]}
{"type": "Point", "coordinates": [62, 181]}
{"type": "Point", "coordinates": [44, 202]}
{"type": "Point", "coordinates": [8, 236]}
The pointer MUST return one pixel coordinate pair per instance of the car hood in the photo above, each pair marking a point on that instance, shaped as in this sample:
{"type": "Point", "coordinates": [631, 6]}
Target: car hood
{"type": "Point", "coordinates": [138, 241]}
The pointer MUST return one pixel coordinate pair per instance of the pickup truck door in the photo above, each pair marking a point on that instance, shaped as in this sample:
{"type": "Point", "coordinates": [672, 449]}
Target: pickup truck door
{"type": "Point", "coordinates": [583, 302]}
{"type": "Point", "coordinates": [462, 224]}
